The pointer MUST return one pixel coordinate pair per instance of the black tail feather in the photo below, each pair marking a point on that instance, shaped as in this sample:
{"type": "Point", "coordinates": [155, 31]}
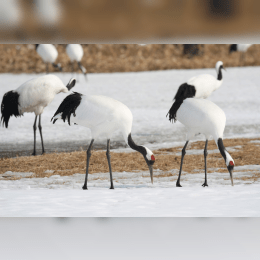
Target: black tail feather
{"type": "Point", "coordinates": [185, 91]}
{"type": "Point", "coordinates": [173, 110]}
{"type": "Point", "coordinates": [9, 107]}
{"type": "Point", "coordinates": [68, 107]}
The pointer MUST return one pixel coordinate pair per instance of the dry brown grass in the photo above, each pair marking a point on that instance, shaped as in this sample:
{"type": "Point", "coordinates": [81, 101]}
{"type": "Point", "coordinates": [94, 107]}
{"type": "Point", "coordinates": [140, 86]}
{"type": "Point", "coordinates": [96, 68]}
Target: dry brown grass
{"type": "Point", "coordinates": [98, 58]}
{"type": "Point", "coordinates": [166, 160]}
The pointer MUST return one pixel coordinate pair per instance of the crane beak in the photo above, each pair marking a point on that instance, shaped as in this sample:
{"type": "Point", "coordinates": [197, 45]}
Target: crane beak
{"type": "Point", "coordinates": [151, 172]}
{"type": "Point", "coordinates": [231, 176]}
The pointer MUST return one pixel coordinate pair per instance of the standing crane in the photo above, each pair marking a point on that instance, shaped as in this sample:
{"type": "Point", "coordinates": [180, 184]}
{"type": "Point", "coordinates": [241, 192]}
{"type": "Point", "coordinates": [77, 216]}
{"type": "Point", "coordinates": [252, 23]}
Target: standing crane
{"type": "Point", "coordinates": [202, 116]}
{"type": "Point", "coordinates": [49, 54]}
{"type": "Point", "coordinates": [200, 86]}
{"type": "Point", "coordinates": [75, 53]}
{"type": "Point", "coordinates": [103, 116]}
{"type": "Point", "coordinates": [33, 96]}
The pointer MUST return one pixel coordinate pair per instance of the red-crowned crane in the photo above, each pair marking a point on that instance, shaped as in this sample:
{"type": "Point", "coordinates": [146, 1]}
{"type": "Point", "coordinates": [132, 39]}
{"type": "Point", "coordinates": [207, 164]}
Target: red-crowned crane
{"type": "Point", "coordinates": [103, 116]}
{"type": "Point", "coordinates": [33, 96]}
{"type": "Point", "coordinates": [202, 116]}
{"type": "Point", "coordinates": [75, 53]}
{"type": "Point", "coordinates": [49, 54]}
{"type": "Point", "coordinates": [200, 86]}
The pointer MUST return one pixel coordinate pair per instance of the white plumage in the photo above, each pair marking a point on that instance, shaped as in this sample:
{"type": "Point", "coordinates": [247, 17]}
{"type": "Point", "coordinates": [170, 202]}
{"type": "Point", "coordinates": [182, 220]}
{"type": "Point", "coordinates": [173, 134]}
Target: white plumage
{"type": "Point", "coordinates": [103, 116]}
{"type": "Point", "coordinates": [239, 47]}
{"type": "Point", "coordinates": [33, 96]}
{"type": "Point", "coordinates": [36, 94]}
{"type": "Point", "coordinates": [202, 116]}
{"type": "Point", "coordinates": [75, 53]}
{"type": "Point", "coordinates": [205, 84]}
{"type": "Point", "coordinates": [49, 54]}
{"type": "Point", "coordinates": [243, 47]}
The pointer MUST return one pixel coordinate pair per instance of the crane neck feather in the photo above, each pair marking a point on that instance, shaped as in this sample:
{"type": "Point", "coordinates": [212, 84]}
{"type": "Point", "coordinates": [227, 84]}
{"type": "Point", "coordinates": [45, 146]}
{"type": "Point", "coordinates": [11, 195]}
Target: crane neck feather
{"type": "Point", "coordinates": [220, 77]}
{"type": "Point", "coordinates": [136, 147]}
{"type": "Point", "coordinates": [227, 157]}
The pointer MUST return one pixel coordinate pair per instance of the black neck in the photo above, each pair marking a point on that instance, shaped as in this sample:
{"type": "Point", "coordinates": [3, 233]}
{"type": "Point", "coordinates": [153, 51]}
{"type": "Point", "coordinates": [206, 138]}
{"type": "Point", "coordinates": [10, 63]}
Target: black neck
{"type": "Point", "coordinates": [135, 147]}
{"type": "Point", "coordinates": [222, 148]}
{"type": "Point", "coordinates": [220, 73]}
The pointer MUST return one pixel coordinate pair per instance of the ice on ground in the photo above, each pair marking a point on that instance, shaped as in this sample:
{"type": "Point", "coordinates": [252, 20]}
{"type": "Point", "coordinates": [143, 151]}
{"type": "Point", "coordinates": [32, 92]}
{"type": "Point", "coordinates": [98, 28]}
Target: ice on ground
{"type": "Point", "coordinates": [134, 195]}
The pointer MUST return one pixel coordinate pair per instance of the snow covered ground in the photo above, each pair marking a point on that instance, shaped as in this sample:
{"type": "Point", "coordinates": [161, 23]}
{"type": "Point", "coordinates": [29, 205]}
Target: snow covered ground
{"type": "Point", "coordinates": [134, 195]}
{"type": "Point", "coordinates": [149, 96]}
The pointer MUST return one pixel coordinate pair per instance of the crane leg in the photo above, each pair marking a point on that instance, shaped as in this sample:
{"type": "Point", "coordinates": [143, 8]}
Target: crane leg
{"type": "Point", "coordinates": [88, 158]}
{"type": "Point", "coordinates": [205, 184]}
{"type": "Point", "coordinates": [34, 131]}
{"type": "Point", "coordinates": [182, 157]}
{"type": "Point", "coordinates": [47, 68]}
{"type": "Point", "coordinates": [109, 164]}
{"type": "Point", "coordinates": [40, 129]}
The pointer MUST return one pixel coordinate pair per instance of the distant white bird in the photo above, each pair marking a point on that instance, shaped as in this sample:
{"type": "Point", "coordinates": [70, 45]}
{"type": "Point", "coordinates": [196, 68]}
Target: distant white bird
{"type": "Point", "coordinates": [75, 53]}
{"type": "Point", "coordinates": [242, 48]}
{"type": "Point", "coordinates": [239, 47]}
{"type": "Point", "coordinates": [202, 116]}
{"type": "Point", "coordinates": [49, 54]}
{"type": "Point", "coordinates": [33, 96]}
{"type": "Point", "coordinates": [200, 86]}
{"type": "Point", "coordinates": [103, 116]}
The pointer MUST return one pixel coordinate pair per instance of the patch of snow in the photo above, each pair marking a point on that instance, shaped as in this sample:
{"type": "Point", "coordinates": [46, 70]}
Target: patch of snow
{"type": "Point", "coordinates": [10, 174]}
{"type": "Point", "coordinates": [255, 141]}
{"type": "Point", "coordinates": [134, 195]}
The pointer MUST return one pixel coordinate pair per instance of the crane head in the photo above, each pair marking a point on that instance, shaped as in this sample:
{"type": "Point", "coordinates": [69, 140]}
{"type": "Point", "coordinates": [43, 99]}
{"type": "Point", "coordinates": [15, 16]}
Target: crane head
{"type": "Point", "coordinates": [230, 168]}
{"type": "Point", "coordinates": [150, 159]}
